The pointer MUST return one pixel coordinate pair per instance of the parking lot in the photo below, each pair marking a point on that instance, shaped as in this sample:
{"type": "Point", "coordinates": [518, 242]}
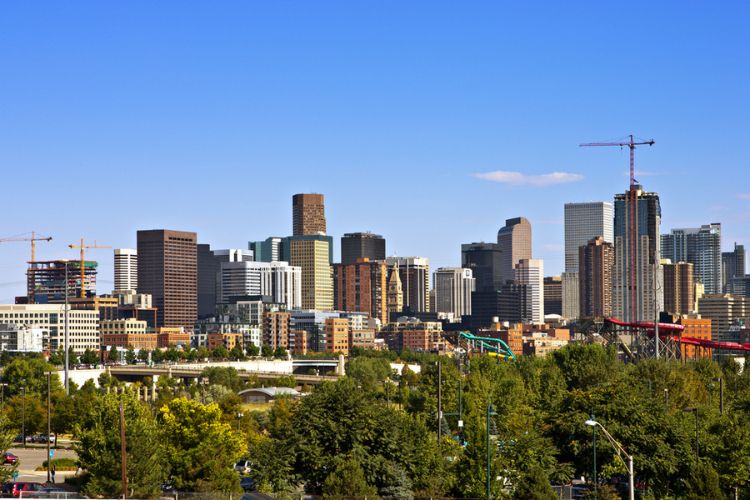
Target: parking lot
{"type": "Point", "coordinates": [30, 458]}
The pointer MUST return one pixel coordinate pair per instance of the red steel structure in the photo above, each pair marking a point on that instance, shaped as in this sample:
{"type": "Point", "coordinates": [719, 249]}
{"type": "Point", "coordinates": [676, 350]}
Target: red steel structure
{"type": "Point", "coordinates": [632, 218]}
{"type": "Point", "coordinates": [674, 332]}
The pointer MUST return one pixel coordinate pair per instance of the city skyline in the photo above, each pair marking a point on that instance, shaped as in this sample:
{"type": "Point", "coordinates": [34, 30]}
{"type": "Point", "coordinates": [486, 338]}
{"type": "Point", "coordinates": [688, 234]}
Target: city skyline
{"type": "Point", "coordinates": [500, 129]}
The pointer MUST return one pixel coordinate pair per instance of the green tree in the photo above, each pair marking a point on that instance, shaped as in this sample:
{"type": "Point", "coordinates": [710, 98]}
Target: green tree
{"type": "Point", "coordinates": [193, 434]}
{"type": "Point", "coordinates": [534, 485]}
{"type": "Point", "coordinates": [220, 375]}
{"type": "Point", "coordinates": [369, 372]}
{"type": "Point", "coordinates": [6, 441]}
{"type": "Point", "coordinates": [347, 480]}
{"type": "Point", "coordinates": [29, 372]}
{"type": "Point", "coordinates": [266, 351]}
{"type": "Point", "coordinates": [237, 352]}
{"type": "Point", "coordinates": [113, 355]}
{"type": "Point", "coordinates": [130, 356]}
{"type": "Point", "coordinates": [35, 413]}
{"type": "Point", "coordinates": [252, 350]}
{"type": "Point", "coordinates": [280, 352]}
{"type": "Point", "coordinates": [704, 483]}
{"type": "Point", "coordinates": [57, 358]}
{"type": "Point", "coordinates": [143, 355]}
{"type": "Point", "coordinates": [98, 448]}
{"type": "Point", "coordinates": [89, 357]}
{"type": "Point", "coordinates": [220, 352]}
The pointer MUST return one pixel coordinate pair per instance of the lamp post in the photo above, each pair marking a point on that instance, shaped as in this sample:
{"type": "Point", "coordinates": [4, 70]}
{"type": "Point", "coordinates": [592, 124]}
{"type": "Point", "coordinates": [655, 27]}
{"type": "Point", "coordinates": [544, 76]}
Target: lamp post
{"type": "Point", "coordinates": [65, 331]}
{"type": "Point", "coordinates": [490, 411]}
{"type": "Point", "coordinates": [49, 426]}
{"type": "Point", "coordinates": [593, 439]}
{"type": "Point", "coordinates": [239, 419]}
{"type": "Point", "coordinates": [693, 409]}
{"type": "Point", "coordinates": [23, 412]}
{"type": "Point", "coordinates": [620, 452]}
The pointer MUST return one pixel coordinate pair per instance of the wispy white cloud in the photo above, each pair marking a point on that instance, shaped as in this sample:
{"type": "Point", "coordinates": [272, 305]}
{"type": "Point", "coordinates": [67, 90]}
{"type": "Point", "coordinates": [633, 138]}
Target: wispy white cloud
{"type": "Point", "coordinates": [521, 179]}
{"type": "Point", "coordinates": [743, 196]}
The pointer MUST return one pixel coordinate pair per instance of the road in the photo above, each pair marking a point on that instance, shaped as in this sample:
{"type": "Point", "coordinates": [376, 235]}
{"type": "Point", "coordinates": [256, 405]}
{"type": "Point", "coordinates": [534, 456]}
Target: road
{"type": "Point", "coordinates": [31, 458]}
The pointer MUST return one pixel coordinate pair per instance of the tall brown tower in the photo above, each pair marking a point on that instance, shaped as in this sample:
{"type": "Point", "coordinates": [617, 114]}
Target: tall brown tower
{"type": "Point", "coordinates": [168, 270]}
{"type": "Point", "coordinates": [596, 262]}
{"type": "Point", "coordinates": [308, 214]}
{"type": "Point", "coordinates": [679, 288]}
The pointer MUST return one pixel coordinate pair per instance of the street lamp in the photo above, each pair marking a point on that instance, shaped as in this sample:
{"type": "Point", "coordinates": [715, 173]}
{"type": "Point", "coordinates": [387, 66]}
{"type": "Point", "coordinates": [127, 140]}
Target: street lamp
{"type": "Point", "coordinates": [23, 411]}
{"type": "Point", "coordinates": [239, 419]}
{"type": "Point", "coordinates": [490, 411]}
{"type": "Point", "coordinates": [693, 409]}
{"type": "Point", "coordinates": [620, 452]}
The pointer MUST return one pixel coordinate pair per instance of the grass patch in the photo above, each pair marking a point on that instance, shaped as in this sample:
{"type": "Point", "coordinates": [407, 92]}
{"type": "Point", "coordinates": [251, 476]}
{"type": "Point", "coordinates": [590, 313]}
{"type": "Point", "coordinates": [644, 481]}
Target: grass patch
{"type": "Point", "coordinates": [62, 464]}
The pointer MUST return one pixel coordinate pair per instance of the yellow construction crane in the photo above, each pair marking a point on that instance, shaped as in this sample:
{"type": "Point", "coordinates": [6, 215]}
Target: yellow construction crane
{"type": "Point", "coordinates": [83, 248]}
{"type": "Point", "coordinates": [33, 239]}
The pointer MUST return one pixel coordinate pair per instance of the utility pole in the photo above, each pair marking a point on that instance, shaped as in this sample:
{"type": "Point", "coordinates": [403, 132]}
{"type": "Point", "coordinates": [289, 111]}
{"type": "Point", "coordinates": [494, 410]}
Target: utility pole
{"type": "Point", "coordinates": [123, 455]}
{"type": "Point", "coordinates": [65, 334]}
{"type": "Point", "coordinates": [23, 412]}
{"type": "Point", "coordinates": [49, 428]}
{"type": "Point", "coordinates": [440, 401]}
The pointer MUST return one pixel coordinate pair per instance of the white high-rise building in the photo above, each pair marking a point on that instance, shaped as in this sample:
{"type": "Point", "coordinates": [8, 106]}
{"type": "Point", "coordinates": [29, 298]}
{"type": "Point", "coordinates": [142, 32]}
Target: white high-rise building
{"type": "Point", "coordinates": [700, 246]}
{"type": "Point", "coordinates": [83, 325]}
{"type": "Point", "coordinates": [530, 272]}
{"type": "Point", "coordinates": [126, 269]}
{"type": "Point", "coordinates": [453, 287]}
{"type": "Point", "coordinates": [287, 284]}
{"type": "Point", "coordinates": [583, 222]}
{"type": "Point", "coordinates": [279, 280]}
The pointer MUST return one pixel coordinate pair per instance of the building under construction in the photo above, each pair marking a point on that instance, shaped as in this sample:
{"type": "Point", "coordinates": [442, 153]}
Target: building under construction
{"type": "Point", "coordinates": [45, 281]}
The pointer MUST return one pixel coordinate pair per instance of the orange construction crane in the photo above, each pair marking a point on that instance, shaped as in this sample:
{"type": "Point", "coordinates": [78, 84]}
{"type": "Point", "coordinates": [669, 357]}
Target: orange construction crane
{"type": "Point", "coordinates": [83, 248]}
{"type": "Point", "coordinates": [33, 239]}
{"type": "Point", "coordinates": [632, 219]}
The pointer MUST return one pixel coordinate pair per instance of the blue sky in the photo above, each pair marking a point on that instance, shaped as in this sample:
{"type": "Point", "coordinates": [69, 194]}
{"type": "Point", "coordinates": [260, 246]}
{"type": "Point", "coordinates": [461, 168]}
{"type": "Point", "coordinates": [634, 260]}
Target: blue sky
{"type": "Point", "coordinates": [209, 116]}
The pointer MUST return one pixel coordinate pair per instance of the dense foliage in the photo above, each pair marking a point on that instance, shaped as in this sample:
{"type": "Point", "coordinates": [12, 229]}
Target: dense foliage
{"type": "Point", "coordinates": [375, 432]}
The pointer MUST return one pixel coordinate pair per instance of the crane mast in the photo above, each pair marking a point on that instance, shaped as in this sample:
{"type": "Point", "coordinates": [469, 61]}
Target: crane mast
{"type": "Point", "coordinates": [632, 218]}
{"type": "Point", "coordinates": [83, 247]}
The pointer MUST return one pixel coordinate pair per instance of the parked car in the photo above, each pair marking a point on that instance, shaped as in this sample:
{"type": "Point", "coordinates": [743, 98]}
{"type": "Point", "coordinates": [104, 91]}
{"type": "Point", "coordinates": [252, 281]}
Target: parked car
{"type": "Point", "coordinates": [9, 458]}
{"type": "Point", "coordinates": [46, 491]}
{"type": "Point", "coordinates": [243, 466]}
{"type": "Point", "coordinates": [14, 489]}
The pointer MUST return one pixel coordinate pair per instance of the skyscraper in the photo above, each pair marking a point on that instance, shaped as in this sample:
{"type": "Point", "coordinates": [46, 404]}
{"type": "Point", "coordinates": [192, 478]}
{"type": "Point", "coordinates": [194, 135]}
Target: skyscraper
{"type": "Point", "coordinates": [453, 288]}
{"type": "Point", "coordinates": [168, 270]}
{"type": "Point", "coordinates": [126, 269]}
{"type": "Point", "coordinates": [268, 250]}
{"type": "Point", "coordinates": [637, 276]}
{"type": "Point", "coordinates": [313, 253]}
{"type": "Point", "coordinates": [362, 287]}
{"type": "Point", "coordinates": [583, 222]}
{"type": "Point", "coordinates": [514, 240]}
{"type": "Point", "coordinates": [595, 266]}
{"type": "Point", "coordinates": [308, 214]}
{"type": "Point", "coordinates": [553, 295]}
{"type": "Point", "coordinates": [679, 288]}
{"type": "Point", "coordinates": [362, 245]}
{"type": "Point", "coordinates": [415, 280]}
{"type": "Point", "coordinates": [530, 272]}
{"type": "Point", "coordinates": [701, 247]}
{"type": "Point", "coordinates": [732, 265]}
{"type": "Point", "coordinates": [484, 260]}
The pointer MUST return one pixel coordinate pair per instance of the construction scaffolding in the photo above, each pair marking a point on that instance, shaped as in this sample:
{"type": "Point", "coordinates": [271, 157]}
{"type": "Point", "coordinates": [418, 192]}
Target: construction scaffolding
{"type": "Point", "coordinates": [46, 281]}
